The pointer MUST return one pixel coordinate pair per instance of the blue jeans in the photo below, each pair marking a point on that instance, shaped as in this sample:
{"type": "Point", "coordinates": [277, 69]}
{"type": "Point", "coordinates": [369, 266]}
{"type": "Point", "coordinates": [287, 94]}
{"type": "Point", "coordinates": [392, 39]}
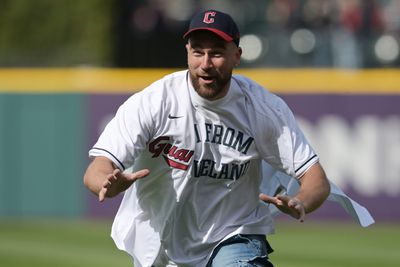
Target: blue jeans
{"type": "Point", "coordinates": [242, 251]}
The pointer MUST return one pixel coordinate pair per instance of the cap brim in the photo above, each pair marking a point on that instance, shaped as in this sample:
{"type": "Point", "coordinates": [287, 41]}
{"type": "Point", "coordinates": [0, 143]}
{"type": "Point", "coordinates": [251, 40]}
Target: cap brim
{"type": "Point", "coordinates": [221, 34]}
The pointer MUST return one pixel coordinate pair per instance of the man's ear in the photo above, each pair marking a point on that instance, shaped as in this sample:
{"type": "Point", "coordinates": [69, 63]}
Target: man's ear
{"type": "Point", "coordinates": [239, 51]}
{"type": "Point", "coordinates": [238, 56]}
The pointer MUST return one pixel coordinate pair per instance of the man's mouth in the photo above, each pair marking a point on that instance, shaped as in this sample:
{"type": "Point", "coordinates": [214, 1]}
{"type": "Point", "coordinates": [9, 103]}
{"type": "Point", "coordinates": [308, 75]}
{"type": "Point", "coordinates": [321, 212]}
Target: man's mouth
{"type": "Point", "coordinates": [207, 79]}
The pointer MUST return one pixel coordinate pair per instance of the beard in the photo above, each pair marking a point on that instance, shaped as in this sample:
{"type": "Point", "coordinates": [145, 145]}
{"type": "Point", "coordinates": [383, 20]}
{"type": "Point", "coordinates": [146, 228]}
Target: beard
{"type": "Point", "coordinates": [211, 91]}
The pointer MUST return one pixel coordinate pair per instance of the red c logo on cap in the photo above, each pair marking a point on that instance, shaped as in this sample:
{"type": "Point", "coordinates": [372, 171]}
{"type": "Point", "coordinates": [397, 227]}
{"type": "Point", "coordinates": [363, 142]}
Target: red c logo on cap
{"type": "Point", "coordinates": [209, 17]}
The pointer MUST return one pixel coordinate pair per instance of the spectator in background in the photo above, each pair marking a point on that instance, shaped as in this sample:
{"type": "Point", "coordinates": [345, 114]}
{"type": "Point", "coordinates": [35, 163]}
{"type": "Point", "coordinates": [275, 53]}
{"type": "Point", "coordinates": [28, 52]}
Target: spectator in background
{"type": "Point", "coordinates": [345, 47]}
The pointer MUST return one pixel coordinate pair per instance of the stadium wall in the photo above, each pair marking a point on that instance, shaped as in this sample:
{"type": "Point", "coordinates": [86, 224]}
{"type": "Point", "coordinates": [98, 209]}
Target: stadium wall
{"type": "Point", "coordinates": [50, 117]}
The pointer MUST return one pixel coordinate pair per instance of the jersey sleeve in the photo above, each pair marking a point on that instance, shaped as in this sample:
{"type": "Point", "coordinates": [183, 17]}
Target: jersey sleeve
{"type": "Point", "coordinates": [126, 135]}
{"type": "Point", "coordinates": [279, 139]}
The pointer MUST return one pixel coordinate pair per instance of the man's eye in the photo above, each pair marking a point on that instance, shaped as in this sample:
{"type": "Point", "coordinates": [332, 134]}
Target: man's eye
{"type": "Point", "coordinates": [217, 53]}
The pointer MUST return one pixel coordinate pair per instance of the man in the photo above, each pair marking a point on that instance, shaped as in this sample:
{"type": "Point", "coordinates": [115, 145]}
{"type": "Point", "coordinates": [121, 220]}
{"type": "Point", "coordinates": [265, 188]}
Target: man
{"type": "Point", "coordinates": [194, 142]}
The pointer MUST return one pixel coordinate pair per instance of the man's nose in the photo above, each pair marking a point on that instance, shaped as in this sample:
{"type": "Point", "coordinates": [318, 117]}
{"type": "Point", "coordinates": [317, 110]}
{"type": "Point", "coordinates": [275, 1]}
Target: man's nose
{"type": "Point", "coordinates": [206, 62]}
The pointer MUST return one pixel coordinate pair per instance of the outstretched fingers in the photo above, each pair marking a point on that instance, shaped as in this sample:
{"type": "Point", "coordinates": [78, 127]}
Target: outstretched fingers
{"type": "Point", "coordinates": [269, 199]}
{"type": "Point", "coordinates": [117, 181]}
{"type": "Point", "coordinates": [108, 182]}
{"type": "Point", "coordinates": [287, 204]}
{"type": "Point", "coordinates": [102, 193]}
{"type": "Point", "coordinates": [138, 175]}
{"type": "Point", "coordinates": [296, 207]}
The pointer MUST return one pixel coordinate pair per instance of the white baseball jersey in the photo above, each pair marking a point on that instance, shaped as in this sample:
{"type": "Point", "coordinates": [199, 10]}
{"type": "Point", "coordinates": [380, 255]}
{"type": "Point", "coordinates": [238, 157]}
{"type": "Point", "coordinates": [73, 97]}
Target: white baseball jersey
{"type": "Point", "coordinates": [204, 159]}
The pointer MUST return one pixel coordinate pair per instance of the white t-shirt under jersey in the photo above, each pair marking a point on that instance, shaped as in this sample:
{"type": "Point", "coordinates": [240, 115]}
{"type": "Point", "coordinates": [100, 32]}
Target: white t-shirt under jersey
{"type": "Point", "coordinates": [204, 159]}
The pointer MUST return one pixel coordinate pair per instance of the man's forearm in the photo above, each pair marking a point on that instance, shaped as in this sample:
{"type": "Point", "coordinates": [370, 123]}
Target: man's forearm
{"type": "Point", "coordinates": [314, 188]}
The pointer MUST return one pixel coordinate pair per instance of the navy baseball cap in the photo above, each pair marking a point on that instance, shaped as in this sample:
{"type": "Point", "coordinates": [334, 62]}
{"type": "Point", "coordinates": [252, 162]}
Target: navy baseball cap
{"type": "Point", "coordinates": [217, 22]}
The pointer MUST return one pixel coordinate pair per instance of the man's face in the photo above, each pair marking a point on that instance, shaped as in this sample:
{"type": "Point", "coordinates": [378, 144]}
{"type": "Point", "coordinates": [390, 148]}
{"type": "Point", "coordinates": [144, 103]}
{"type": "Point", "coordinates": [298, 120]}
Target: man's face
{"type": "Point", "coordinates": [211, 61]}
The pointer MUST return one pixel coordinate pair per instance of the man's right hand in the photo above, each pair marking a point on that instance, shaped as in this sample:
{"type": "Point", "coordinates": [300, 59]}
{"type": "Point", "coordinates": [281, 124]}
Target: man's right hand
{"type": "Point", "coordinates": [105, 179]}
{"type": "Point", "coordinates": [118, 181]}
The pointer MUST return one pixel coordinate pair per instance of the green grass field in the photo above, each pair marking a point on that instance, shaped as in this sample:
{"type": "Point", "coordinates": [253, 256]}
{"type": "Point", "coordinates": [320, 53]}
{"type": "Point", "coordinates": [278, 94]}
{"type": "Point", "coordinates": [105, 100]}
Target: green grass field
{"type": "Point", "coordinates": [65, 243]}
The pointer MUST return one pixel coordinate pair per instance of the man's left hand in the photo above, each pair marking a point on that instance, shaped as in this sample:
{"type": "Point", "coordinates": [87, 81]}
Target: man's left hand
{"type": "Point", "coordinates": [287, 204]}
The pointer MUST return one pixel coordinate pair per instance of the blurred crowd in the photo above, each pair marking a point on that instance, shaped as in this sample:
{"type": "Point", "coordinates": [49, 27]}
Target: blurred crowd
{"type": "Point", "coordinates": [148, 33]}
{"type": "Point", "coordinates": [293, 33]}
{"type": "Point", "coordinates": [347, 33]}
